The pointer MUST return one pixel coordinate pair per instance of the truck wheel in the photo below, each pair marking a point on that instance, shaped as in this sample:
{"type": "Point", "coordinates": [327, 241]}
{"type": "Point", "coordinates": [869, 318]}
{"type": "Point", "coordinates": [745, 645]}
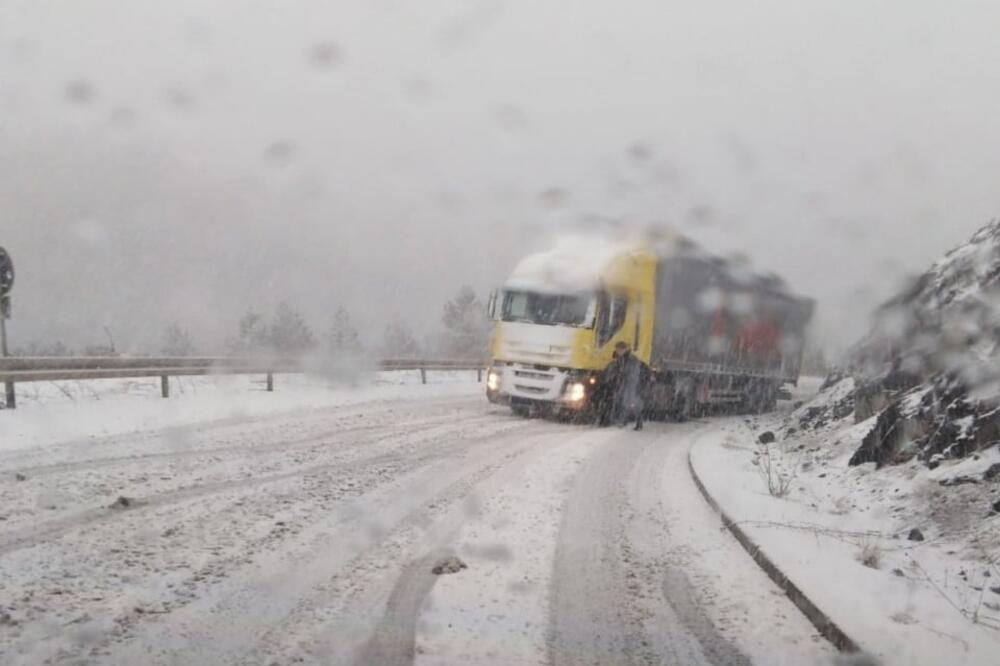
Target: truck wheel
{"type": "Point", "coordinates": [521, 410]}
{"type": "Point", "coordinates": [681, 410]}
{"type": "Point", "coordinates": [762, 399]}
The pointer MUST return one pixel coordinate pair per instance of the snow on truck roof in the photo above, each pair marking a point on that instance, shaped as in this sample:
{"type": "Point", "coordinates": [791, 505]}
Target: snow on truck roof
{"type": "Point", "coordinates": [575, 264]}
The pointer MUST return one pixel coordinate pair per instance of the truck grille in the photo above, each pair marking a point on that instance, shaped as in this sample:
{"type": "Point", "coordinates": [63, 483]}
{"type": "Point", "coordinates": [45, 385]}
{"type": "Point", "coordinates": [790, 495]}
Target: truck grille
{"type": "Point", "coordinates": [527, 374]}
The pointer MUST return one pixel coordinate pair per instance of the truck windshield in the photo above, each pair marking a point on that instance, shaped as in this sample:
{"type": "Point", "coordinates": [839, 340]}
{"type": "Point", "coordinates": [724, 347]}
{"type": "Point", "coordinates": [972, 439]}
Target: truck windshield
{"type": "Point", "coordinates": [550, 309]}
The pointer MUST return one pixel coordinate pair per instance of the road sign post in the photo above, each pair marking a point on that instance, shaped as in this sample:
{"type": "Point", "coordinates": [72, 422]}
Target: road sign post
{"type": "Point", "coordinates": [6, 284]}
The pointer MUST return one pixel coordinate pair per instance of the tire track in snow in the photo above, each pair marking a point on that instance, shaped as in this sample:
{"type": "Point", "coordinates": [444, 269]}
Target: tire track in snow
{"type": "Point", "coordinates": [396, 611]}
{"type": "Point", "coordinates": [357, 602]}
{"type": "Point", "coordinates": [496, 611]}
{"type": "Point", "coordinates": [591, 620]}
{"type": "Point", "coordinates": [674, 621]}
{"type": "Point", "coordinates": [394, 640]}
{"type": "Point", "coordinates": [614, 599]}
{"type": "Point", "coordinates": [287, 598]}
{"type": "Point", "coordinates": [18, 539]}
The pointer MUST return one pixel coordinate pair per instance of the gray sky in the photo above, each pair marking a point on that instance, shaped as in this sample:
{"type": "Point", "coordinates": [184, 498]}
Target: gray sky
{"type": "Point", "coordinates": [182, 161]}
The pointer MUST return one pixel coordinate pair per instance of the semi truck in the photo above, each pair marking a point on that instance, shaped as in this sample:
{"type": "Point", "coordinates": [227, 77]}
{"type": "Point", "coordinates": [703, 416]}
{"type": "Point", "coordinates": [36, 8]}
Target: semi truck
{"type": "Point", "coordinates": [714, 335]}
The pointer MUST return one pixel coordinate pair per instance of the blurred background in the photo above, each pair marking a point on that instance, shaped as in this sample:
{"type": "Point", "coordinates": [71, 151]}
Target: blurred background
{"type": "Point", "coordinates": [170, 166]}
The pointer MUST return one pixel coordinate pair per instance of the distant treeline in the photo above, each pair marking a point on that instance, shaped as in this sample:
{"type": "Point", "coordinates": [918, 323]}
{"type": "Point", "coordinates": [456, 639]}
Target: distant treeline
{"type": "Point", "coordinates": [285, 331]}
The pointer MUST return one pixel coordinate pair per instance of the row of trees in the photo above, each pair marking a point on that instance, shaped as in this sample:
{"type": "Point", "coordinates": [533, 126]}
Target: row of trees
{"type": "Point", "coordinates": [286, 332]}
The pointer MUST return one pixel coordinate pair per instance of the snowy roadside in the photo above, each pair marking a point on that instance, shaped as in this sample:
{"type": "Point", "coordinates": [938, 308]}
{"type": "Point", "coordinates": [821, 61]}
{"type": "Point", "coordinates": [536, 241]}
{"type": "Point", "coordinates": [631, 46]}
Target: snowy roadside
{"type": "Point", "coordinates": [872, 549]}
{"type": "Point", "coordinates": [56, 412]}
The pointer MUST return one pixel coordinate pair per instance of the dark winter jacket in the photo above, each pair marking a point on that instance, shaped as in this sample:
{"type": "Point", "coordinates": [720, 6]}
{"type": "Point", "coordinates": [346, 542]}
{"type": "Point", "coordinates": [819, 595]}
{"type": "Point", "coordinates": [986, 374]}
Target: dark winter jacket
{"type": "Point", "coordinates": [627, 379]}
{"type": "Point", "coordinates": [630, 389]}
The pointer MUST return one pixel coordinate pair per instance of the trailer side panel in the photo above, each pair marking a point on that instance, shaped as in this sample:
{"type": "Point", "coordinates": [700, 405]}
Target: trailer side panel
{"type": "Point", "coordinates": [709, 321]}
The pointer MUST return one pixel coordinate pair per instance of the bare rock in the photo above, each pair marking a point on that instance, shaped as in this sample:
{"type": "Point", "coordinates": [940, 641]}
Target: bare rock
{"type": "Point", "coordinates": [887, 442]}
{"type": "Point", "coordinates": [122, 503]}
{"type": "Point", "coordinates": [448, 565]}
{"type": "Point", "coordinates": [856, 659]}
{"type": "Point", "coordinates": [915, 535]}
{"type": "Point", "coordinates": [767, 438]}
{"type": "Point", "coordinates": [833, 379]}
{"type": "Point", "coordinates": [957, 481]}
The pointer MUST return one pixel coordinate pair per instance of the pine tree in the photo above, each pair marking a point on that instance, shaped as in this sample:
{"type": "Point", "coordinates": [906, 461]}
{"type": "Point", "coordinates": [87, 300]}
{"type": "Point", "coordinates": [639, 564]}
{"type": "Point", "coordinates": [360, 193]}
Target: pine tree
{"type": "Point", "coordinates": [253, 336]}
{"type": "Point", "coordinates": [289, 332]}
{"type": "Point", "coordinates": [342, 336]}
{"type": "Point", "coordinates": [177, 342]}
{"type": "Point", "coordinates": [466, 325]}
{"type": "Point", "coordinates": [398, 341]}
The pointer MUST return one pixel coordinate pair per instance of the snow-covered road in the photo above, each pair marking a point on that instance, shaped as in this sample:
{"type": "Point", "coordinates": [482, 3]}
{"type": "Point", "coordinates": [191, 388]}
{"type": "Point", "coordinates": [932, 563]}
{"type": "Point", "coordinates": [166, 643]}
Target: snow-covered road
{"type": "Point", "coordinates": [310, 536]}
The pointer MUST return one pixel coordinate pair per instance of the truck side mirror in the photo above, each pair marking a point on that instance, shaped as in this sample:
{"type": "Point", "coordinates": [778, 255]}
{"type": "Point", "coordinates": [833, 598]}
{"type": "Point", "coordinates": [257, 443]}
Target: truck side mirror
{"type": "Point", "coordinates": [491, 307]}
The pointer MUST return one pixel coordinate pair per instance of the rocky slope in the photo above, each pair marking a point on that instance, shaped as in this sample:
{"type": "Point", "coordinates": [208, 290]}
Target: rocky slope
{"type": "Point", "coordinates": [930, 368]}
{"type": "Point", "coordinates": [899, 453]}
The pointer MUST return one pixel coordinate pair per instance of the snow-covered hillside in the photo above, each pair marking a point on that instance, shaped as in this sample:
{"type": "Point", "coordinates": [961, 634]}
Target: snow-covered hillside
{"type": "Point", "coordinates": [948, 320]}
{"type": "Point", "coordinates": [930, 369]}
{"type": "Point", "coordinates": [880, 496]}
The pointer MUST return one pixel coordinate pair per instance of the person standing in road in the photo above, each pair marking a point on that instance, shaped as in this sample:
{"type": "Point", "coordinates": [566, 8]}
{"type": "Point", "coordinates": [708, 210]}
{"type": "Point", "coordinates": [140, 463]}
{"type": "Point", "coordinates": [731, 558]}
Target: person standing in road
{"type": "Point", "coordinates": [630, 376]}
{"type": "Point", "coordinates": [608, 389]}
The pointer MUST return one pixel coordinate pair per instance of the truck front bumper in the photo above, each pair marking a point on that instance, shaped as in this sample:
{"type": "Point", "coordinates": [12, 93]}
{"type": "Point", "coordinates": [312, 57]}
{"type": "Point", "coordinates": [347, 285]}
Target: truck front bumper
{"type": "Point", "coordinates": [523, 384]}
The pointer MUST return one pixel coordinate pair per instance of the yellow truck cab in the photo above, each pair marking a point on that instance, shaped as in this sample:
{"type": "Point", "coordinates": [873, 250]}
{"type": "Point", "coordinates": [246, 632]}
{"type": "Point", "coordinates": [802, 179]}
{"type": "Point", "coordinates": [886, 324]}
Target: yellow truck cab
{"type": "Point", "coordinates": [559, 317]}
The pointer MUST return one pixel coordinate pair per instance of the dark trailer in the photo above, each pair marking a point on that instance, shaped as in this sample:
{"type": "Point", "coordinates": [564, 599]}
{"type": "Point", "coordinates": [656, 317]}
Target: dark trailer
{"type": "Point", "coordinates": [723, 335]}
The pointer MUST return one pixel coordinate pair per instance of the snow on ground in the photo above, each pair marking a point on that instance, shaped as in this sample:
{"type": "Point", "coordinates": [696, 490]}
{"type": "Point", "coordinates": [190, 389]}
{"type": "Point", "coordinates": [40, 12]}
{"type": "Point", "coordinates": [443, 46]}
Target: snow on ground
{"type": "Point", "coordinates": [310, 533]}
{"type": "Point", "coordinates": [843, 534]}
{"type": "Point", "coordinates": [602, 551]}
{"type": "Point", "coordinates": [497, 610]}
{"type": "Point", "coordinates": [52, 412]}
{"type": "Point", "coordinates": [214, 510]}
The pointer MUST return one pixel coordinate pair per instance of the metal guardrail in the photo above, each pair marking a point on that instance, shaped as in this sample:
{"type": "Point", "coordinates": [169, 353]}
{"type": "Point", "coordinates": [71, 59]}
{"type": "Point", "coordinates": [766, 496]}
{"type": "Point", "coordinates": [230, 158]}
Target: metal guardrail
{"type": "Point", "coordinates": [29, 369]}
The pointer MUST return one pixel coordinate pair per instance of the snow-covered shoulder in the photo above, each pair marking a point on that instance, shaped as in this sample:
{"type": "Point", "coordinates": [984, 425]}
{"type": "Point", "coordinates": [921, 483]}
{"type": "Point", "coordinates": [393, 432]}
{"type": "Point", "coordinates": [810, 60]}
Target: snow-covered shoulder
{"type": "Point", "coordinates": [904, 546]}
{"type": "Point", "coordinates": [57, 412]}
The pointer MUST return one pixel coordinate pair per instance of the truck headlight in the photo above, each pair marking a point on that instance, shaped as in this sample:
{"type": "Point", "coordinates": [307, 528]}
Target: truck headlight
{"type": "Point", "coordinates": [577, 392]}
{"type": "Point", "coordinates": [492, 380]}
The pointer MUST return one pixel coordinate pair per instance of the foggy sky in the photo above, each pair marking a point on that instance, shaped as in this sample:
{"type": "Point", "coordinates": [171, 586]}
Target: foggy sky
{"type": "Point", "coordinates": [183, 161]}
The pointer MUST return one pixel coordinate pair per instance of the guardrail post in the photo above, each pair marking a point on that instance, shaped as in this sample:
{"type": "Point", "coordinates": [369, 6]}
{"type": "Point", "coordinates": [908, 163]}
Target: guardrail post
{"type": "Point", "coordinates": [479, 375]}
{"type": "Point", "coordinates": [423, 376]}
{"type": "Point", "coordinates": [165, 386]}
{"type": "Point", "coordinates": [270, 382]}
{"type": "Point", "coordinates": [9, 397]}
